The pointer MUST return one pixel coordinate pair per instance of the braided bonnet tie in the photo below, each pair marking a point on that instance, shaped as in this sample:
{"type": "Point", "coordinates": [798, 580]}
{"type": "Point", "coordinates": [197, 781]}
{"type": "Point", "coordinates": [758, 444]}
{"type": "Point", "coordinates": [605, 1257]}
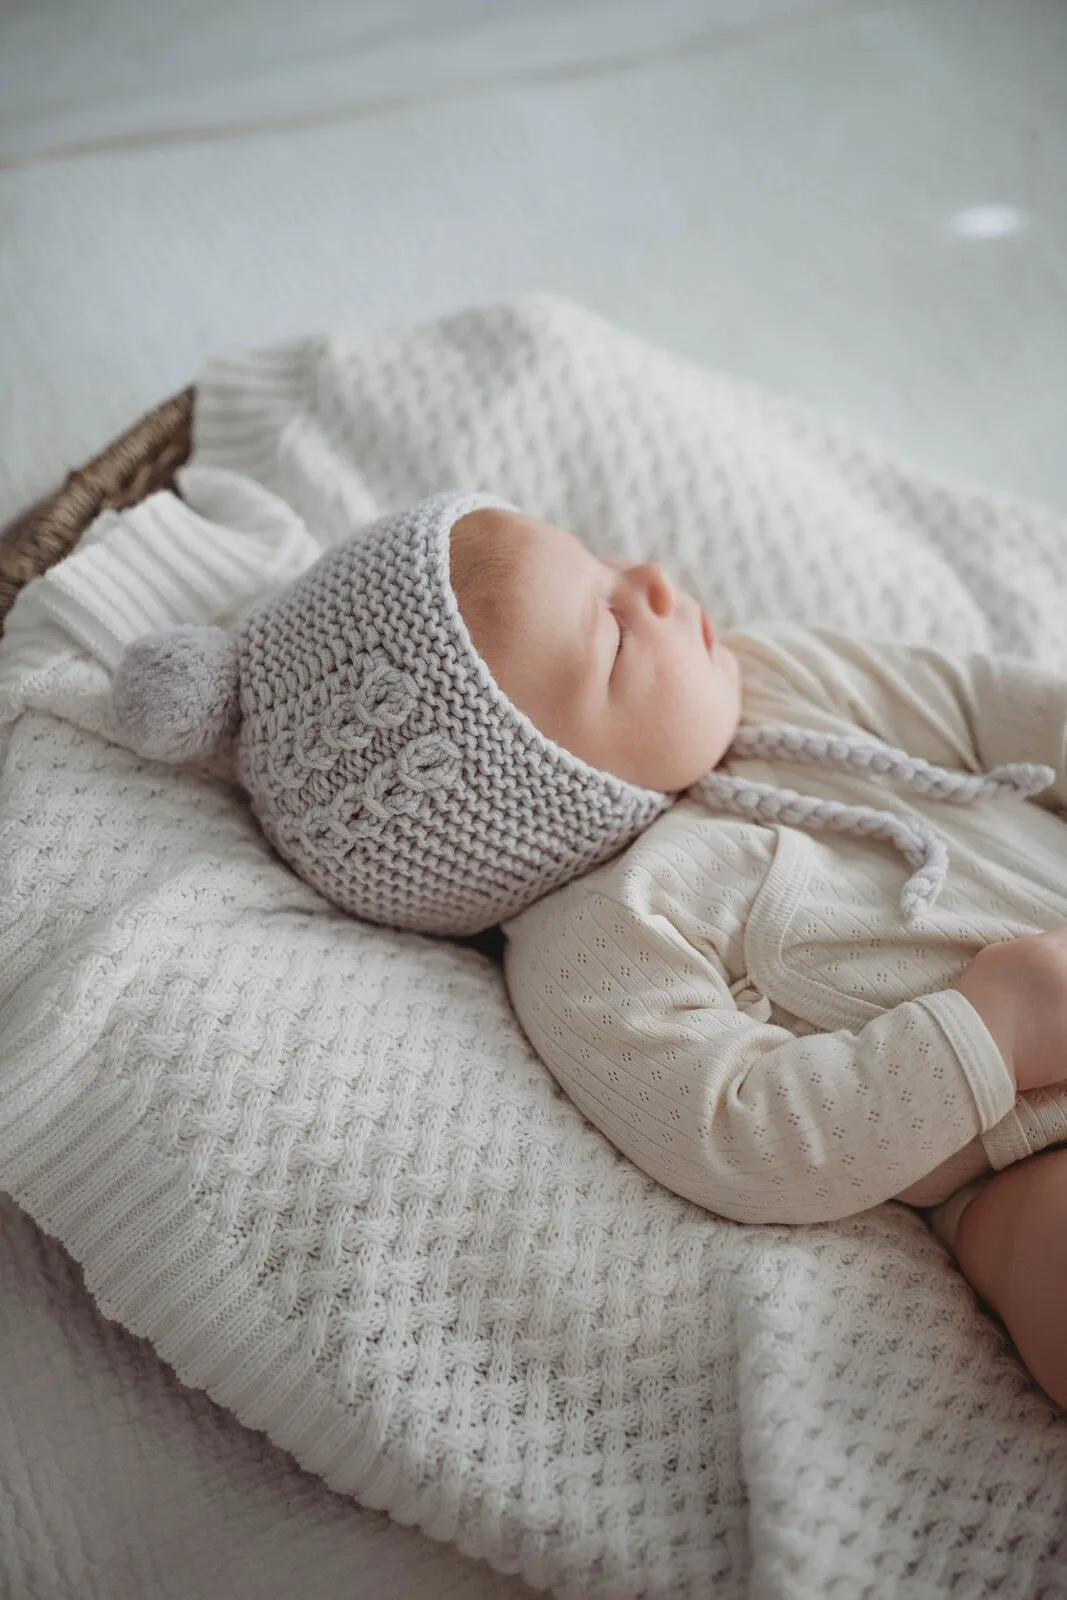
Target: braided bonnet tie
{"type": "Point", "coordinates": [920, 844]}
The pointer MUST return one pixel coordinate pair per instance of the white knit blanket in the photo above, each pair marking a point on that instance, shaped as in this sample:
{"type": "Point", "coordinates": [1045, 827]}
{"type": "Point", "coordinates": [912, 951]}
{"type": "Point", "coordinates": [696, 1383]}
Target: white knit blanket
{"type": "Point", "coordinates": [317, 1164]}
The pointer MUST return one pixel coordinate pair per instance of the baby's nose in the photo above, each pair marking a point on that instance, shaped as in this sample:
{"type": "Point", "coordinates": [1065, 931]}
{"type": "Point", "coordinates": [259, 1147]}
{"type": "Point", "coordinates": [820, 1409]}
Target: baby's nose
{"type": "Point", "coordinates": [658, 588]}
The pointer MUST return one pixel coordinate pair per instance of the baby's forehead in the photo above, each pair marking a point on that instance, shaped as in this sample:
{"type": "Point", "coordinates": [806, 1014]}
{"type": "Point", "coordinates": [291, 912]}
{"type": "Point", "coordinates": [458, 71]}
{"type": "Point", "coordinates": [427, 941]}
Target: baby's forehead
{"type": "Point", "coordinates": [496, 526]}
{"type": "Point", "coordinates": [500, 561]}
{"type": "Point", "coordinates": [510, 540]}
{"type": "Point", "coordinates": [487, 548]}
{"type": "Point", "coordinates": [504, 548]}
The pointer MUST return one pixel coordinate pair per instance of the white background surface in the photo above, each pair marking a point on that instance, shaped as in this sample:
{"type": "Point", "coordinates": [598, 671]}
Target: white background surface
{"type": "Point", "coordinates": [766, 185]}
{"type": "Point", "coordinates": [860, 204]}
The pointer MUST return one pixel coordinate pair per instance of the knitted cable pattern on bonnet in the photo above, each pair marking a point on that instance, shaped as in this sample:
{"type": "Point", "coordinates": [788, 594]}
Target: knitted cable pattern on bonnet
{"type": "Point", "coordinates": [392, 774]}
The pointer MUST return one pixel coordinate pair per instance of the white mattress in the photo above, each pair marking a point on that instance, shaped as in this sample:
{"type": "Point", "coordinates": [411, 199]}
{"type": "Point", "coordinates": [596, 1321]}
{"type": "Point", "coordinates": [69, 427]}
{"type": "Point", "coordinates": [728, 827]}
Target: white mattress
{"type": "Point", "coordinates": [799, 192]}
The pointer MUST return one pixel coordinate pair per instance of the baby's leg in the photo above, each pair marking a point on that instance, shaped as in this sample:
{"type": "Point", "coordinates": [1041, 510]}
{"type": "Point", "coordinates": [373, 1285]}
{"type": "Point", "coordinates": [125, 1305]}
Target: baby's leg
{"type": "Point", "coordinates": [1011, 1245]}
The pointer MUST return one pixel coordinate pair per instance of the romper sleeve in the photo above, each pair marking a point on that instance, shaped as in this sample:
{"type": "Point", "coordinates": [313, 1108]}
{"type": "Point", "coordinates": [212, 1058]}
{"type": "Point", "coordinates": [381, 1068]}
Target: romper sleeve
{"type": "Point", "coordinates": [743, 1117]}
{"type": "Point", "coordinates": [972, 710]}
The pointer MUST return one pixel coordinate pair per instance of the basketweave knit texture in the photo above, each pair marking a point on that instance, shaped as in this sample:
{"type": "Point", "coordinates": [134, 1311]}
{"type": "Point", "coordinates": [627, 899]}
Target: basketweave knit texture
{"type": "Point", "coordinates": [383, 762]}
{"type": "Point", "coordinates": [318, 1166]}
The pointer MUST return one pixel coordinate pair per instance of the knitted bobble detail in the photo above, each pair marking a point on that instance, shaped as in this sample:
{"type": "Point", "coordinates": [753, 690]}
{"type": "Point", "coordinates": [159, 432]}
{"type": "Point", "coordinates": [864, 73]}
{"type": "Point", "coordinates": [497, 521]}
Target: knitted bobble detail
{"type": "Point", "coordinates": [175, 696]}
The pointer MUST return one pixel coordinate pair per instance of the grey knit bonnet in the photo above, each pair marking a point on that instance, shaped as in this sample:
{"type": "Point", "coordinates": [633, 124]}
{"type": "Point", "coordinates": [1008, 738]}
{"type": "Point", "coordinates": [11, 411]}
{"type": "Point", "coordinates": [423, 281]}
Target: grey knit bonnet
{"type": "Point", "coordinates": [388, 769]}
{"type": "Point", "coordinates": [379, 756]}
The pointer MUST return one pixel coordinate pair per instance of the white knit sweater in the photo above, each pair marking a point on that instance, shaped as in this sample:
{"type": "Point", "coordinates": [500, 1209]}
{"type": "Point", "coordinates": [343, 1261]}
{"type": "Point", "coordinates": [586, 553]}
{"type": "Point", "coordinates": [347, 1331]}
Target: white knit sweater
{"type": "Point", "coordinates": [743, 1009]}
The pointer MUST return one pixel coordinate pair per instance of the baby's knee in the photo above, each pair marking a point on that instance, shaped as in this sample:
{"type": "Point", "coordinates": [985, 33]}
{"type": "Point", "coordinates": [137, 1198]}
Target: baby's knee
{"type": "Point", "coordinates": [1012, 1248]}
{"type": "Point", "coordinates": [1016, 1216]}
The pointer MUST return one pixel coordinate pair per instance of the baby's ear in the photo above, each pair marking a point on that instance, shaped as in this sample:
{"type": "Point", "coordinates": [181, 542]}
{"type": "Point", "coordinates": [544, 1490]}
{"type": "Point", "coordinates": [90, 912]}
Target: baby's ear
{"type": "Point", "coordinates": [176, 693]}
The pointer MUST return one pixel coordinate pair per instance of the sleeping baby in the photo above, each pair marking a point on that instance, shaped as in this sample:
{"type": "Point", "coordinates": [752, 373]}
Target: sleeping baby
{"type": "Point", "coordinates": [785, 911]}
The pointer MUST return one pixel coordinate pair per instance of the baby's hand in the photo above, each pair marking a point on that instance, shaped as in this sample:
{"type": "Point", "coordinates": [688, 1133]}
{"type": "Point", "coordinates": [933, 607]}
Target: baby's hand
{"type": "Point", "coordinates": [1019, 989]}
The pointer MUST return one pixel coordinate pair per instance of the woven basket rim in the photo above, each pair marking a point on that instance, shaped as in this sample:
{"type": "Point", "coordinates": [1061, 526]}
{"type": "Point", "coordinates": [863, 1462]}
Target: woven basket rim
{"type": "Point", "coordinates": [139, 462]}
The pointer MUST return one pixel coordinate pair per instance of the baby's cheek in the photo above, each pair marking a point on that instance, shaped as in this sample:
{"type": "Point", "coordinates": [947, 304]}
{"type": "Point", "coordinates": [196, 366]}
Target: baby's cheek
{"type": "Point", "coordinates": [672, 736]}
{"type": "Point", "coordinates": [713, 715]}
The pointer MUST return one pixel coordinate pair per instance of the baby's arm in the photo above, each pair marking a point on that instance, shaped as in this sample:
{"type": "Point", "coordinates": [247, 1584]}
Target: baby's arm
{"type": "Point", "coordinates": [737, 1115]}
{"type": "Point", "coordinates": [969, 710]}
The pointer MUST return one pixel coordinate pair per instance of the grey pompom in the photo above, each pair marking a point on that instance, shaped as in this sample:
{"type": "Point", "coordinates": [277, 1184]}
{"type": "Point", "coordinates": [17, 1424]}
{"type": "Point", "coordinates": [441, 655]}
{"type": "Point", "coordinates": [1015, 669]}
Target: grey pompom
{"type": "Point", "coordinates": [175, 696]}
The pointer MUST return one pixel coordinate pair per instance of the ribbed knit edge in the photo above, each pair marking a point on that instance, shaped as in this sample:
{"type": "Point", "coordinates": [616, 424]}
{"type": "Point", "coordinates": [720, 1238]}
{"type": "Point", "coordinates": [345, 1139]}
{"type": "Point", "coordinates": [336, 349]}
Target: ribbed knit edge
{"type": "Point", "coordinates": [990, 1081]}
{"type": "Point", "coordinates": [159, 565]}
{"type": "Point", "coordinates": [1043, 1119]}
{"type": "Point", "coordinates": [245, 399]}
{"type": "Point", "coordinates": [162, 566]}
{"type": "Point", "coordinates": [150, 1263]}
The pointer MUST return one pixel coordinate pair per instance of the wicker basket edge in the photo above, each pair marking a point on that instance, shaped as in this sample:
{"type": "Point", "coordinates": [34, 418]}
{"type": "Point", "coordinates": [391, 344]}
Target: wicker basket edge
{"type": "Point", "coordinates": [139, 462]}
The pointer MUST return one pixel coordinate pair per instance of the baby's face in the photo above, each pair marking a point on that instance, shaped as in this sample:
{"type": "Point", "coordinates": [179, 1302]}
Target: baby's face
{"type": "Point", "coordinates": [607, 658]}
